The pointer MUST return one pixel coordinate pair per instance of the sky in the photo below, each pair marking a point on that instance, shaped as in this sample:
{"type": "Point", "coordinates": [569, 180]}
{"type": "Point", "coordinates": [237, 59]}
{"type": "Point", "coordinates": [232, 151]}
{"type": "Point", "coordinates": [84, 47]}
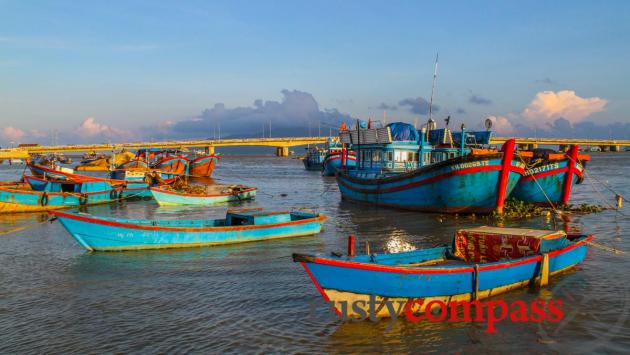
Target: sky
{"type": "Point", "coordinates": [96, 71]}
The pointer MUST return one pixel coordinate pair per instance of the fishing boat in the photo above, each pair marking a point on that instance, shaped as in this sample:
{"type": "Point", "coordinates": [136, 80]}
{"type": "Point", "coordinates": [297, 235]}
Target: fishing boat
{"type": "Point", "coordinates": [245, 225]}
{"type": "Point", "coordinates": [314, 158]}
{"type": "Point", "coordinates": [203, 165]}
{"type": "Point", "coordinates": [431, 170]}
{"type": "Point", "coordinates": [550, 176]}
{"type": "Point", "coordinates": [133, 185]}
{"type": "Point", "coordinates": [337, 157]}
{"type": "Point", "coordinates": [101, 162]}
{"type": "Point", "coordinates": [209, 195]}
{"type": "Point", "coordinates": [482, 262]}
{"type": "Point", "coordinates": [45, 195]}
{"type": "Point", "coordinates": [172, 162]}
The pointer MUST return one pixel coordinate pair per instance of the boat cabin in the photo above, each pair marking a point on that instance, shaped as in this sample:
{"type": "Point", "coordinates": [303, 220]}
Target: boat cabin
{"type": "Point", "coordinates": [400, 147]}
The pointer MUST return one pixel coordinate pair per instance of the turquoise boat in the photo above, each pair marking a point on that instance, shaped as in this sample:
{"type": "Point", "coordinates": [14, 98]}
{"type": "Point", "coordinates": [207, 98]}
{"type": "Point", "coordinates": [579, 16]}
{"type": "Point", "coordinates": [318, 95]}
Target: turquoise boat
{"type": "Point", "coordinates": [214, 194]}
{"type": "Point", "coordinates": [244, 225]}
{"type": "Point", "coordinates": [130, 187]}
{"type": "Point", "coordinates": [482, 262]}
{"type": "Point", "coordinates": [43, 195]}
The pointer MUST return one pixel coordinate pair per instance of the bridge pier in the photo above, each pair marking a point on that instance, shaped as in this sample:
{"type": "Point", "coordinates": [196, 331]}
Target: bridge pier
{"type": "Point", "coordinates": [615, 148]}
{"type": "Point", "coordinates": [282, 151]}
{"type": "Point", "coordinates": [209, 150]}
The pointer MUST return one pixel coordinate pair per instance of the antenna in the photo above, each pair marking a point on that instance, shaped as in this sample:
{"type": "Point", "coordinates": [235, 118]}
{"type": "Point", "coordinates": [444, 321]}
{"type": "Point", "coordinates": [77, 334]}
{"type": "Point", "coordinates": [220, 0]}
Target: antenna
{"type": "Point", "coordinates": [433, 87]}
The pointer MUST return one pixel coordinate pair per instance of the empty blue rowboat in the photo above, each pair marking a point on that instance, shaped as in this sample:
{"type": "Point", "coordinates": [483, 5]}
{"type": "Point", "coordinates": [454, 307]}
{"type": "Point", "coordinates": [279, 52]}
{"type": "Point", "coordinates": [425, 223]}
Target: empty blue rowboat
{"type": "Point", "coordinates": [483, 262]}
{"type": "Point", "coordinates": [214, 194]}
{"type": "Point", "coordinates": [246, 225]}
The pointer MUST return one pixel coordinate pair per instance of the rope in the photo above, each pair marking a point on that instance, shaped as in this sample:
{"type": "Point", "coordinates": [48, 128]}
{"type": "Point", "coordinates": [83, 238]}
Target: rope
{"type": "Point", "coordinates": [607, 248]}
{"type": "Point", "coordinates": [553, 207]}
{"type": "Point", "coordinates": [19, 229]}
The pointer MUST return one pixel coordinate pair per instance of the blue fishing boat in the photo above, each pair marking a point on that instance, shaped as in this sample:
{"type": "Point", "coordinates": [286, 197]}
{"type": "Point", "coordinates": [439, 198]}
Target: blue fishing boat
{"type": "Point", "coordinates": [337, 157]}
{"type": "Point", "coordinates": [483, 262]}
{"type": "Point", "coordinates": [131, 187]}
{"type": "Point", "coordinates": [177, 164]}
{"type": "Point", "coordinates": [45, 195]}
{"type": "Point", "coordinates": [550, 177]}
{"type": "Point", "coordinates": [210, 195]}
{"type": "Point", "coordinates": [428, 170]}
{"type": "Point", "coordinates": [314, 158]}
{"type": "Point", "coordinates": [246, 225]}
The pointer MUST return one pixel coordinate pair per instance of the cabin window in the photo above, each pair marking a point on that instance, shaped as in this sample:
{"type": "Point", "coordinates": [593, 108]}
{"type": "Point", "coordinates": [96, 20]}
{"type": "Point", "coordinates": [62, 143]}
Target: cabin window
{"type": "Point", "coordinates": [376, 155]}
{"type": "Point", "coordinates": [67, 187]}
{"type": "Point", "coordinates": [412, 156]}
{"type": "Point", "coordinates": [451, 155]}
{"type": "Point", "coordinates": [398, 156]}
{"type": "Point", "coordinates": [389, 156]}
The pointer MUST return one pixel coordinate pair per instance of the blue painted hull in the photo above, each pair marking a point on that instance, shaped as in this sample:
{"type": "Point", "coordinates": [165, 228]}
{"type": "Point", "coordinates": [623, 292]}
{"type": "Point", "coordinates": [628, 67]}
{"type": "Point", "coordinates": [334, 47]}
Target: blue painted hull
{"type": "Point", "coordinates": [14, 200]}
{"type": "Point", "coordinates": [111, 234]}
{"type": "Point", "coordinates": [545, 183]}
{"type": "Point", "coordinates": [129, 188]}
{"type": "Point", "coordinates": [171, 198]}
{"type": "Point", "coordinates": [348, 279]}
{"type": "Point", "coordinates": [332, 163]}
{"type": "Point", "coordinates": [453, 186]}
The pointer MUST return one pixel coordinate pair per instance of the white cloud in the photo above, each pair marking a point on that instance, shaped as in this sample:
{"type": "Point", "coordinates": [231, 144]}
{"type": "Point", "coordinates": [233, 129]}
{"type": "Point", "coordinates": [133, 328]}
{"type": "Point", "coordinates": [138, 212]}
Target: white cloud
{"type": "Point", "coordinates": [501, 125]}
{"type": "Point", "coordinates": [90, 128]}
{"type": "Point", "coordinates": [12, 134]}
{"type": "Point", "coordinates": [549, 105]}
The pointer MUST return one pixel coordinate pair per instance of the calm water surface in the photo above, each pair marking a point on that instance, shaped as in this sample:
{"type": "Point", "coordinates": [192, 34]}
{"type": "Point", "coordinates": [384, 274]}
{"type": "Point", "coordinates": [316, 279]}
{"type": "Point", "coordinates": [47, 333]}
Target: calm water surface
{"type": "Point", "coordinates": [55, 297]}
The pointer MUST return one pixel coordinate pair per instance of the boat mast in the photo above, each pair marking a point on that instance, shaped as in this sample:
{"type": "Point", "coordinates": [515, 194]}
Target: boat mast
{"type": "Point", "coordinates": [433, 87]}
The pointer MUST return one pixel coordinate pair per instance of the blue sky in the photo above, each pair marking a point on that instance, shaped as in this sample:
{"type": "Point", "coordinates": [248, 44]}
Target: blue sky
{"type": "Point", "coordinates": [132, 64]}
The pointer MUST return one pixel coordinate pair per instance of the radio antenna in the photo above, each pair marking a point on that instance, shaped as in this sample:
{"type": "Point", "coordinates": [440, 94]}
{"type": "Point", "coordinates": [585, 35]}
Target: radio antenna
{"type": "Point", "coordinates": [433, 87]}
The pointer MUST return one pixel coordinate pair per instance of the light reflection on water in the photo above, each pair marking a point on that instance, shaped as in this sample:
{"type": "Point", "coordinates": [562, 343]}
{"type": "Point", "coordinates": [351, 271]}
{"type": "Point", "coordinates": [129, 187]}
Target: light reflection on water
{"type": "Point", "coordinates": [57, 298]}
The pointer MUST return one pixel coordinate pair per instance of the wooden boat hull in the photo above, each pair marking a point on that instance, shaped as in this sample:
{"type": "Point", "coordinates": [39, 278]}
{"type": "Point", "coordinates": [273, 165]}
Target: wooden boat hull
{"type": "Point", "coordinates": [174, 165]}
{"type": "Point", "coordinates": [312, 165]}
{"type": "Point", "coordinates": [129, 188]}
{"type": "Point", "coordinates": [332, 163]}
{"type": "Point", "coordinates": [552, 181]}
{"type": "Point", "coordinates": [464, 184]}
{"type": "Point", "coordinates": [349, 280]}
{"type": "Point", "coordinates": [14, 201]}
{"type": "Point", "coordinates": [203, 166]}
{"type": "Point", "coordinates": [172, 198]}
{"type": "Point", "coordinates": [108, 234]}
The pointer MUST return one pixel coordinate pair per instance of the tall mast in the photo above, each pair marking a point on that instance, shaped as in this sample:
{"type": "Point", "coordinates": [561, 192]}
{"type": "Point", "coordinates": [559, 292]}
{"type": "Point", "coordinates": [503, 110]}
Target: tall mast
{"type": "Point", "coordinates": [433, 87]}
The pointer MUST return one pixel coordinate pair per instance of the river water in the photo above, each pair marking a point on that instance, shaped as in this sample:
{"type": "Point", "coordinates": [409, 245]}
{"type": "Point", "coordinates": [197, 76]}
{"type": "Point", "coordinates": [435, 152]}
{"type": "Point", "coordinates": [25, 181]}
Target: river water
{"type": "Point", "coordinates": [57, 298]}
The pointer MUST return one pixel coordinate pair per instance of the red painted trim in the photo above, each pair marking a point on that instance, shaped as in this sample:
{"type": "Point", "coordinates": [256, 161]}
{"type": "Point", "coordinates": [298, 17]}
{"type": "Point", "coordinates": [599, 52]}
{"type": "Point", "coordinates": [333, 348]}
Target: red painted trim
{"type": "Point", "coordinates": [444, 270]}
{"type": "Point", "coordinates": [319, 218]}
{"type": "Point", "coordinates": [506, 167]}
{"type": "Point", "coordinates": [337, 157]}
{"type": "Point", "coordinates": [568, 177]}
{"type": "Point", "coordinates": [199, 195]}
{"type": "Point", "coordinates": [319, 287]}
{"type": "Point", "coordinates": [422, 182]}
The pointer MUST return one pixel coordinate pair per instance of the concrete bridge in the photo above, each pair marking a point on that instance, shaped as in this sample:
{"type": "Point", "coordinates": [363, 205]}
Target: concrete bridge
{"type": "Point", "coordinates": [282, 145]}
{"type": "Point", "coordinates": [613, 145]}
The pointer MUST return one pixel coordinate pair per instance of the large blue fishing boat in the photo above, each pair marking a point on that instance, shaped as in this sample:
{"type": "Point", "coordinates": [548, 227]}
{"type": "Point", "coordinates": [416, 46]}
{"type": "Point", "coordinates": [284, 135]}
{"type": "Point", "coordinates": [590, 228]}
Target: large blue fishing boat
{"type": "Point", "coordinates": [245, 225]}
{"type": "Point", "coordinates": [482, 262]}
{"type": "Point", "coordinates": [550, 176]}
{"type": "Point", "coordinates": [431, 170]}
